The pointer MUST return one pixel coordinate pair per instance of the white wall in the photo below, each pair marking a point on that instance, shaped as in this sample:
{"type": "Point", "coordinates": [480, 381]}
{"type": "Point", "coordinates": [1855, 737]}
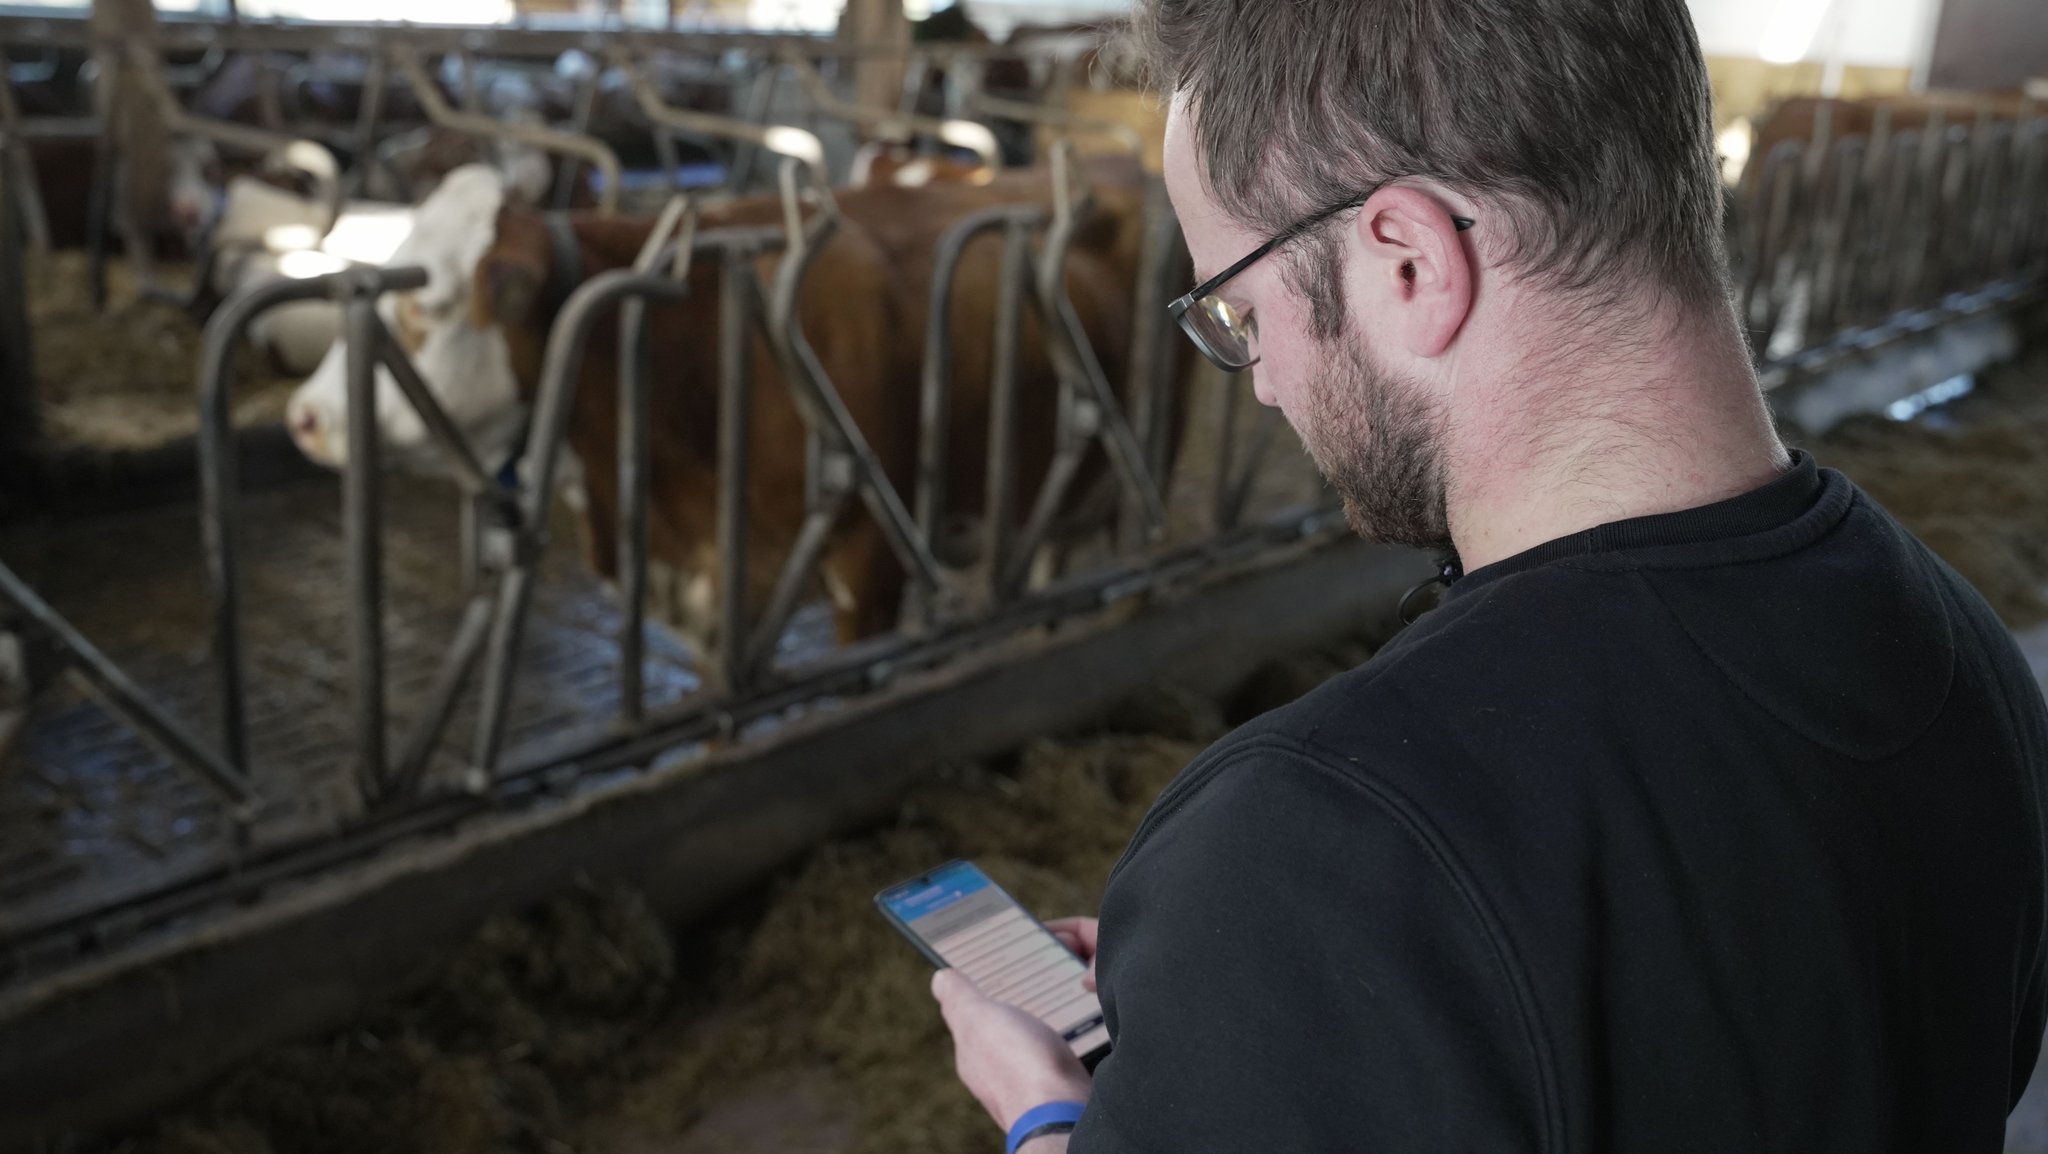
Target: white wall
{"type": "Point", "coordinates": [1883, 33]}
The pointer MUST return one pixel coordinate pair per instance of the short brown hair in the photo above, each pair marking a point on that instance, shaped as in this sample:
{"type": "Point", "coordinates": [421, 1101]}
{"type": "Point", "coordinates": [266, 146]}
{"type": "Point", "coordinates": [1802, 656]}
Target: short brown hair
{"type": "Point", "coordinates": [1586, 123]}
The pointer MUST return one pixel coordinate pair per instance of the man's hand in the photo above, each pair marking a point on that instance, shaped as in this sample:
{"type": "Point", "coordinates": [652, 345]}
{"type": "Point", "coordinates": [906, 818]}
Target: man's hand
{"type": "Point", "coordinates": [1078, 935]}
{"type": "Point", "coordinates": [1009, 1060]}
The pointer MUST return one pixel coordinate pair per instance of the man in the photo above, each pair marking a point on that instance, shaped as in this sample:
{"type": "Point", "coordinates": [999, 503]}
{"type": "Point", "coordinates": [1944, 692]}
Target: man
{"type": "Point", "coordinates": [1704, 814]}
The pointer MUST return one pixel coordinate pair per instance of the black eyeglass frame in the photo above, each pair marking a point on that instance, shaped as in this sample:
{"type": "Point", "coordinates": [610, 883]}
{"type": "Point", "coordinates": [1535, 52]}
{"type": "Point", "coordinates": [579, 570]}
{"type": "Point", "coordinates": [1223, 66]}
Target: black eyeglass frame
{"type": "Point", "coordinates": [1178, 310]}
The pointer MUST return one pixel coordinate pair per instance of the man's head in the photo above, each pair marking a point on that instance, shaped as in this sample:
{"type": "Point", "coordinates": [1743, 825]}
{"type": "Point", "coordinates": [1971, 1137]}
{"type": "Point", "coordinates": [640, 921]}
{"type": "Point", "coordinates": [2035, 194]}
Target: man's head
{"type": "Point", "coordinates": [1577, 134]}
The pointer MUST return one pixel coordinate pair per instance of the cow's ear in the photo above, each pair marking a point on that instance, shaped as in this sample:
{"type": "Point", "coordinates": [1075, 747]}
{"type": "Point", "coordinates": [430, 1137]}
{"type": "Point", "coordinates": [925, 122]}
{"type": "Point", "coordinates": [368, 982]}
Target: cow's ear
{"type": "Point", "coordinates": [507, 291]}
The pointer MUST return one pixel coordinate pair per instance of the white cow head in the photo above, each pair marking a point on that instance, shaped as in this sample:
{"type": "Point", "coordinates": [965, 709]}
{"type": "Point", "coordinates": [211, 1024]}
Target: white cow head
{"type": "Point", "coordinates": [467, 367]}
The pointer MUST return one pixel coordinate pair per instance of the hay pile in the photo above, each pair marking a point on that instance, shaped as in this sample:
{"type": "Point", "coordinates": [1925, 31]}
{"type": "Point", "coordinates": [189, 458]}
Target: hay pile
{"type": "Point", "coordinates": [1973, 485]}
{"type": "Point", "coordinates": [798, 1021]}
{"type": "Point", "coordinates": [492, 1057]}
{"type": "Point", "coordinates": [125, 379]}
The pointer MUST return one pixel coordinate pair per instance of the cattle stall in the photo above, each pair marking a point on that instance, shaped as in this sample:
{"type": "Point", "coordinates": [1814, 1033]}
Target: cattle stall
{"type": "Point", "coordinates": [583, 118]}
{"type": "Point", "coordinates": [329, 726]}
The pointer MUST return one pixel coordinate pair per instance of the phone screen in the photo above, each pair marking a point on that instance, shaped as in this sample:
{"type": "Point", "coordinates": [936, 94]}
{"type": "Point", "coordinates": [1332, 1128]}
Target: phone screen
{"type": "Point", "coordinates": [962, 919]}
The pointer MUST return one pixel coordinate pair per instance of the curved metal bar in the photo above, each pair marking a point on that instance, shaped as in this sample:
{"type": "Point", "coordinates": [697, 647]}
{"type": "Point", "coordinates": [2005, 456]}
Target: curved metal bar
{"type": "Point", "coordinates": [935, 402]}
{"type": "Point", "coordinates": [1066, 123]}
{"type": "Point", "coordinates": [219, 484]}
{"type": "Point", "coordinates": [596, 152]}
{"type": "Point", "coordinates": [781, 139]}
{"type": "Point", "coordinates": [561, 367]}
{"type": "Point", "coordinates": [967, 134]}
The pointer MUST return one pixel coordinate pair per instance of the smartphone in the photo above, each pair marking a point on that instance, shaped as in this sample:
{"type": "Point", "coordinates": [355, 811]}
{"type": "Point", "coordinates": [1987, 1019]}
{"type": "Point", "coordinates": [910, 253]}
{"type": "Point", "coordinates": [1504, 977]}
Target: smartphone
{"type": "Point", "coordinates": [958, 917]}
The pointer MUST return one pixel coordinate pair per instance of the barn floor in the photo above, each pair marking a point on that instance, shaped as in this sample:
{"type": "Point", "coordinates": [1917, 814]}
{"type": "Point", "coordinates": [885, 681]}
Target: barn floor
{"type": "Point", "coordinates": [90, 814]}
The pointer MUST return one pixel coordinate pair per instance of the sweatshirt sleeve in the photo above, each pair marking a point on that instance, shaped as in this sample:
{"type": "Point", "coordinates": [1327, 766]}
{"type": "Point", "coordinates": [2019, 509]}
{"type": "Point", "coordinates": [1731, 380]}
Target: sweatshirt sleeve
{"type": "Point", "coordinates": [1288, 962]}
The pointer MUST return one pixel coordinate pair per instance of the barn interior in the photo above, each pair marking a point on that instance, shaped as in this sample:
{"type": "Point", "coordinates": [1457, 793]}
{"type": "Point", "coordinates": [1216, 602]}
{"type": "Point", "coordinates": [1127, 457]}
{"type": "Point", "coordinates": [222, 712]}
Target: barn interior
{"type": "Point", "coordinates": [402, 749]}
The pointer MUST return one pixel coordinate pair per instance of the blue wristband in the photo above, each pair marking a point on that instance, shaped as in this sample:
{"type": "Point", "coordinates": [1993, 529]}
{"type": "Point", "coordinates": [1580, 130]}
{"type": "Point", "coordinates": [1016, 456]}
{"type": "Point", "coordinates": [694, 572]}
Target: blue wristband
{"type": "Point", "coordinates": [1028, 1124]}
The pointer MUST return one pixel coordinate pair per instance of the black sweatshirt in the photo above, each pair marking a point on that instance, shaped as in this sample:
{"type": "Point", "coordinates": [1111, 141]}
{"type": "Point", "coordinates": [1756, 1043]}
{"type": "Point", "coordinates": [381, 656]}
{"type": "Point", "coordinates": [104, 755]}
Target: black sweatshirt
{"type": "Point", "coordinates": [1717, 831]}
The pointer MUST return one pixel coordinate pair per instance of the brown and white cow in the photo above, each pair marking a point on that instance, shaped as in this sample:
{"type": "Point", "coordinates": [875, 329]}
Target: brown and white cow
{"type": "Point", "coordinates": [478, 329]}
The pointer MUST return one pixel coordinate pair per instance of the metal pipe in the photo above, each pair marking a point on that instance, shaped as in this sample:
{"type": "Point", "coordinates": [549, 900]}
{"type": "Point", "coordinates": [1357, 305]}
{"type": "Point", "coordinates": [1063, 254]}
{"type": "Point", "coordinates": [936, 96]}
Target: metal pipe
{"type": "Point", "coordinates": [735, 400]}
{"type": "Point", "coordinates": [633, 489]}
{"type": "Point", "coordinates": [1000, 483]}
{"type": "Point", "coordinates": [758, 649]}
{"type": "Point", "coordinates": [587, 148]}
{"type": "Point", "coordinates": [760, 95]}
{"type": "Point", "coordinates": [1066, 465]}
{"type": "Point", "coordinates": [1125, 453]}
{"type": "Point", "coordinates": [126, 700]}
{"type": "Point", "coordinates": [418, 748]}
{"type": "Point", "coordinates": [363, 529]}
{"type": "Point", "coordinates": [889, 125]}
{"type": "Point", "coordinates": [560, 375]}
{"type": "Point", "coordinates": [935, 398]}
{"type": "Point", "coordinates": [819, 402]}
{"type": "Point", "coordinates": [376, 75]}
{"type": "Point", "coordinates": [1068, 124]}
{"type": "Point", "coordinates": [470, 474]}
{"type": "Point", "coordinates": [579, 123]}
{"type": "Point", "coordinates": [781, 139]}
{"type": "Point", "coordinates": [1148, 388]}
{"type": "Point", "coordinates": [219, 467]}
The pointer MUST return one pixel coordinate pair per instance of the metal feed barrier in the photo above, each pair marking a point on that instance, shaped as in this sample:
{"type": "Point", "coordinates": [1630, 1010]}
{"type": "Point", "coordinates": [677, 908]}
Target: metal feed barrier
{"type": "Point", "coordinates": [1847, 243]}
{"type": "Point", "coordinates": [955, 611]}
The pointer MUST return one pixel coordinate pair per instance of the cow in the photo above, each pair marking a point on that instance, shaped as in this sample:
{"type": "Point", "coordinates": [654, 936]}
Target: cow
{"type": "Point", "coordinates": [477, 333]}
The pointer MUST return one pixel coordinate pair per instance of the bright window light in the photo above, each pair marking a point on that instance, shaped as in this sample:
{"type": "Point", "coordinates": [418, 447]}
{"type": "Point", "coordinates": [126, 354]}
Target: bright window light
{"type": "Point", "coordinates": [1789, 35]}
{"type": "Point", "coordinates": [290, 237]}
{"type": "Point", "coordinates": [368, 236]}
{"type": "Point", "coordinates": [359, 11]}
{"type": "Point", "coordinates": [308, 263]}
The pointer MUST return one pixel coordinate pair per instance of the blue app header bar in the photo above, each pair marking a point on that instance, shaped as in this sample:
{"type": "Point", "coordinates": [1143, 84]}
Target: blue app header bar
{"type": "Point", "coordinates": [944, 886]}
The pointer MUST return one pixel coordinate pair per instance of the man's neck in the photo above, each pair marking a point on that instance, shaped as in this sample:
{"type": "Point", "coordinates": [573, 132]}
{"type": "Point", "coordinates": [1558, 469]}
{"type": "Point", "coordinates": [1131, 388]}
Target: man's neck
{"type": "Point", "coordinates": [1671, 420]}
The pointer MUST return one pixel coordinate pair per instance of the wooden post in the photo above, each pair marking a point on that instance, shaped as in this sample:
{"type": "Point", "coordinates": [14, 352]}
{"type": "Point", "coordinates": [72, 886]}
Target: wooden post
{"type": "Point", "coordinates": [877, 81]}
{"type": "Point", "coordinates": [133, 125]}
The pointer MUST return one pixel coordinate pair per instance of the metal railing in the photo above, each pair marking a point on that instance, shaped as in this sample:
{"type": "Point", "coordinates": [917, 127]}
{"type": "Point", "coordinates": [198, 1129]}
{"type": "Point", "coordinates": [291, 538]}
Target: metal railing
{"type": "Point", "coordinates": [842, 469]}
{"type": "Point", "coordinates": [1844, 235]}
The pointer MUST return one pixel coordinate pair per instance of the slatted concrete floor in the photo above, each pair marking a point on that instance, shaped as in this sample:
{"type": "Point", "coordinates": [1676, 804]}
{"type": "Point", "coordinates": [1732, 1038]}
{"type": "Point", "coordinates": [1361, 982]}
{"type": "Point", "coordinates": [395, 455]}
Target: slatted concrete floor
{"type": "Point", "coordinates": [90, 813]}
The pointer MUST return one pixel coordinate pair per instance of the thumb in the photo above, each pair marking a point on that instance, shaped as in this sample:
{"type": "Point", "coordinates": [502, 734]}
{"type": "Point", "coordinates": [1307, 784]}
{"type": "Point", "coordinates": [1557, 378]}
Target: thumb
{"type": "Point", "coordinates": [952, 988]}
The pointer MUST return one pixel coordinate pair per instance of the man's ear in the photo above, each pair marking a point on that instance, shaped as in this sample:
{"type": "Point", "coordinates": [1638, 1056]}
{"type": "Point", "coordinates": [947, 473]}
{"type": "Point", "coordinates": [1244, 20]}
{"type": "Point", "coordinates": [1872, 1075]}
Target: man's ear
{"type": "Point", "coordinates": [1418, 248]}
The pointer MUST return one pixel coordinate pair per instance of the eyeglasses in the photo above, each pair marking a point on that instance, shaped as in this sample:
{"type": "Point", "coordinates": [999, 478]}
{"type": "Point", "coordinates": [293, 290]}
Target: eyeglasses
{"type": "Point", "coordinates": [1227, 337]}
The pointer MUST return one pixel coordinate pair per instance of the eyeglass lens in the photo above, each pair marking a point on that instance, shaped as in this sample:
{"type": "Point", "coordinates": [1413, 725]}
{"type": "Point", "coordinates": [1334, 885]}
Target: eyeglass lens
{"type": "Point", "coordinates": [1233, 337]}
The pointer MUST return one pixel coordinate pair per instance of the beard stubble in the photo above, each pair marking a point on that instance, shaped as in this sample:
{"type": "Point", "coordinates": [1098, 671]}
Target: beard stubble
{"type": "Point", "coordinates": [1378, 440]}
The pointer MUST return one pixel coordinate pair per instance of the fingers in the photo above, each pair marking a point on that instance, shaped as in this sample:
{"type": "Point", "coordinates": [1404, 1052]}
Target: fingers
{"type": "Point", "coordinates": [1078, 934]}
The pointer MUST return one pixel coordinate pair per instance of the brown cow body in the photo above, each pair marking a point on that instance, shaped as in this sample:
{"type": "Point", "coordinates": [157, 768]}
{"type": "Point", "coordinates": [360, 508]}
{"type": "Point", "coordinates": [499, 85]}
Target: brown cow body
{"type": "Point", "coordinates": [863, 310]}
